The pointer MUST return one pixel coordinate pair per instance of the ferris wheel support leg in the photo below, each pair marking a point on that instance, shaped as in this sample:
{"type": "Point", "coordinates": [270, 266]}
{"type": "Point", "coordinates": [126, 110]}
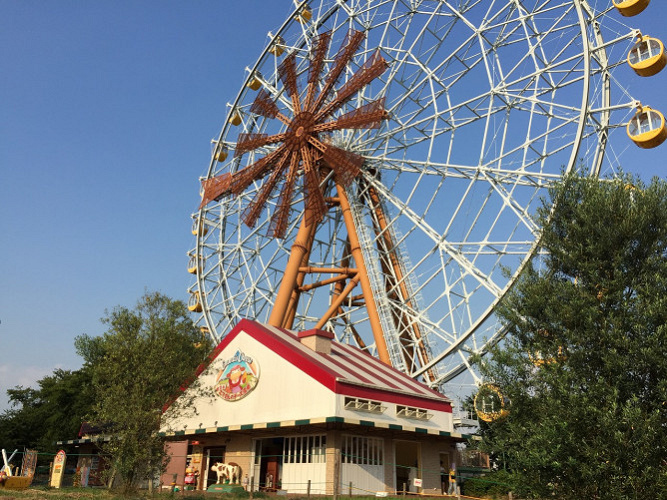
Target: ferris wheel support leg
{"type": "Point", "coordinates": [393, 268]}
{"type": "Point", "coordinates": [290, 313]}
{"type": "Point", "coordinates": [300, 250]}
{"type": "Point", "coordinates": [355, 250]}
{"type": "Point", "coordinates": [335, 306]}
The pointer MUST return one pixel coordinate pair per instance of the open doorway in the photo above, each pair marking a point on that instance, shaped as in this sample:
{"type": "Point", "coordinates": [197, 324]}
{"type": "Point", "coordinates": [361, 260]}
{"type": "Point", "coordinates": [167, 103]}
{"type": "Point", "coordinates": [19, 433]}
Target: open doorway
{"type": "Point", "coordinates": [212, 455]}
{"type": "Point", "coordinates": [445, 465]}
{"type": "Point", "coordinates": [408, 465]}
{"type": "Point", "coordinates": [268, 463]}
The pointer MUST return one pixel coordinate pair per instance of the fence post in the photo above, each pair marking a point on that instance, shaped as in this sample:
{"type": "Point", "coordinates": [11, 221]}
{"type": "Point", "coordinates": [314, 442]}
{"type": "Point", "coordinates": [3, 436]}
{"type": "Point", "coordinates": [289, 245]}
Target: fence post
{"type": "Point", "coordinates": [349, 491]}
{"type": "Point", "coordinates": [404, 489]}
{"type": "Point", "coordinates": [252, 486]}
{"type": "Point", "coordinates": [336, 477]}
{"type": "Point", "coordinates": [308, 490]}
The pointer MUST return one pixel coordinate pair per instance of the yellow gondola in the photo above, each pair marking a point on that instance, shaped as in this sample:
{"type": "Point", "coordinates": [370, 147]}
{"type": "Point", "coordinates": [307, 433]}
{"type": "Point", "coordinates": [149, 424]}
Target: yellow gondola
{"type": "Point", "coordinates": [647, 56]}
{"type": "Point", "coordinates": [630, 8]}
{"type": "Point", "coordinates": [647, 128]}
{"type": "Point", "coordinates": [538, 360]}
{"type": "Point", "coordinates": [194, 304]}
{"type": "Point", "coordinates": [490, 404]}
{"type": "Point", "coordinates": [235, 119]}
{"type": "Point", "coordinates": [193, 268]}
{"type": "Point", "coordinates": [277, 47]}
{"type": "Point", "coordinates": [254, 83]}
{"type": "Point", "coordinates": [202, 231]}
{"type": "Point", "coordinates": [204, 333]}
{"type": "Point", "coordinates": [305, 15]}
{"type": "Point", "coordinates": [222, 154]}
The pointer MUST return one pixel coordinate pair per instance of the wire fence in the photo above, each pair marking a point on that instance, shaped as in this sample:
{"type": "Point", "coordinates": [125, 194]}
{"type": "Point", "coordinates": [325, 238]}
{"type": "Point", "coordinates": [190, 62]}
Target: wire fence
{"type": "Point", "coordinates": [437, 484]}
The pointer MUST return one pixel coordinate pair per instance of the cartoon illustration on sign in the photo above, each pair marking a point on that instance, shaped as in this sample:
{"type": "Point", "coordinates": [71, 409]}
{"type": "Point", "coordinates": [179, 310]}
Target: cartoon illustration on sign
{"type": "Point", "coordinates": [239, 376]}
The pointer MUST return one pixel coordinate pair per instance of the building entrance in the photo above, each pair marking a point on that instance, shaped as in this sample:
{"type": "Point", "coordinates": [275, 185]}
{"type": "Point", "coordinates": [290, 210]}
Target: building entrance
{"type": "Point", "coordinates": [408, 465]}
{"type": "Point", "coordinates": [268, 463]}
{"type": "Point", "coordinates": [211, 457]}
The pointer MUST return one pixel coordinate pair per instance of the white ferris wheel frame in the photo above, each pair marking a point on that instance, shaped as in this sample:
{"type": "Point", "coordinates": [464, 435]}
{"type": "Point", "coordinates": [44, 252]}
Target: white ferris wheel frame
{"type": "Point", "coordinates": [233, 255]}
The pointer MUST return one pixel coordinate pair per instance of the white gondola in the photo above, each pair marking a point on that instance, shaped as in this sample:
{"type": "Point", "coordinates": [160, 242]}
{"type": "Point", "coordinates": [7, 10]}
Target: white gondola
{"type": "Point", "coordinates": [647, 56]}
{"type": "Point", "coordinates": [630, 8]}
{"type": "Point", "coordinates": [647, 128]}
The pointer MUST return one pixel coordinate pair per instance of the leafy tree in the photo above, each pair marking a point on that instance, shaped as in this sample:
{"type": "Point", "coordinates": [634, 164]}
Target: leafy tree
{"type": "Point", "coordinates": [53, 412]}
{"type": "Point", "coordinates": [138, 365]}
{"type": "Point", "coordinates": [584, 366]}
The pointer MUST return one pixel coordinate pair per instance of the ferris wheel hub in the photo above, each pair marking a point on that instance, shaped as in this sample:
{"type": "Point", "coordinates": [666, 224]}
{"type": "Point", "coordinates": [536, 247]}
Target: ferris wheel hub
{"type": "Point", "coordinates": [300, 130]}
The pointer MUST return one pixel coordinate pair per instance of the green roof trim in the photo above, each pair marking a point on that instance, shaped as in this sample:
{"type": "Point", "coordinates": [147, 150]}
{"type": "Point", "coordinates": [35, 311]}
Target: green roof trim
{"type": "Point", "coordinates": [307, 422]}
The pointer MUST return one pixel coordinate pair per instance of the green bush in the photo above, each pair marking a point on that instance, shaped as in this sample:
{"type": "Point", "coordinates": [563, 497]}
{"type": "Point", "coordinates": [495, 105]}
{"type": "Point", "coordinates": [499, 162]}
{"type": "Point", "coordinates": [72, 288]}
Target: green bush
{"type": "Point", "coordinates": [494, 485]}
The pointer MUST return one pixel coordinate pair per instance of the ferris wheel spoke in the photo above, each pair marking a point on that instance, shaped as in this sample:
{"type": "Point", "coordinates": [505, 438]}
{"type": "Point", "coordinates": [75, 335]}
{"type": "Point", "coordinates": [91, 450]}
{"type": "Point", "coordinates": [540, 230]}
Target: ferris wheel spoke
{"type": "Point", "coordinates": [368, 116]}
{"type": "Point", "coordinates": [344, 163]}
{"type": "Point", "coordinates": [518, 177]}
{"type": "Point", "coordinates": [243, 178]}
{"type": "Point", "coordinates": [254, 209]}
{"type": "Point", "coordinates": [279, 220]}
{"type": "Point", "coordinates": [287, 74]}
{"type": "Point", "coordinates": [472, 110]}
{"type": "Point", "coordinates": [263, 105]}
{"type": "Point", "coordinates": [315, 207]}
{"type": "Point", "coordinates": [371, 69]}
{"type": "Point", "coordinates": [320, 49]}
{"type": "Point", "coordinates": [250, 141]}
{"type": "Point", "coordinates": [350, 45]}
{"type": "Point", "coordinates": [438, 239]}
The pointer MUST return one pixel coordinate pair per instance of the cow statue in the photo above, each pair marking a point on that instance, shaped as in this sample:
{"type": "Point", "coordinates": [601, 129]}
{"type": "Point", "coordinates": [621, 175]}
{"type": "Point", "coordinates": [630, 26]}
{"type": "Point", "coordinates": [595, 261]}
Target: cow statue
{"type": "Point", "coordinates": [231, 471]}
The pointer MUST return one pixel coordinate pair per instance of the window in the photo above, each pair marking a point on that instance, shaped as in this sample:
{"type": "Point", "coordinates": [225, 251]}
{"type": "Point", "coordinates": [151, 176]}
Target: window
{"type": "Point", "coordinates": [414, 413]}
{"type": "Point", "coordinates": [362, 450]}
{"type": "Point", "coordinates": [367, 405]}
{"type": "Point", "coordinates": [305, 449]}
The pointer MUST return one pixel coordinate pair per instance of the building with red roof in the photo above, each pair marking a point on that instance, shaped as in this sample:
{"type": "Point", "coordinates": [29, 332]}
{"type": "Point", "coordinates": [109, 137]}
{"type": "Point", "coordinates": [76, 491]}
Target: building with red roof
{"type": "Point", "coordinates": [301, 412]}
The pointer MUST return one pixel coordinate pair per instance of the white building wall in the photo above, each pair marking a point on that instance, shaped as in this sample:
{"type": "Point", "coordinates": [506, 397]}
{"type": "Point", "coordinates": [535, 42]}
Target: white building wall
{"type": "Point", "coordinates": [283, 393]}
{"type": "Point", "coordinates": [362, 465]}
{"type": "Point", "coordinates": [440, 421]}
{"type": "Point", "coordinates": [296, 476]}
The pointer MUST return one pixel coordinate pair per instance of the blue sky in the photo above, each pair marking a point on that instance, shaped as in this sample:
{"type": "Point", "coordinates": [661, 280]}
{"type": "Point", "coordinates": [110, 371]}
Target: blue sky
{"type": "Point", "coordinates": [106, 117]}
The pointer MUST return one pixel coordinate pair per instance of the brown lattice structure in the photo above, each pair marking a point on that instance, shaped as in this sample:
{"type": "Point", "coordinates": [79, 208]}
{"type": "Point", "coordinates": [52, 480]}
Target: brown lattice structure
{"type": "Point", "coordinates": [302, 153]}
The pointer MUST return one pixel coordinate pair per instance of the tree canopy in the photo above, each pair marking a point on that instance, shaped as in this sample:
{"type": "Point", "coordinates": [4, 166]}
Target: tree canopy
{"type": "Point", "coordinates": [38, 418]}
{"type": "Point", "coordinates": [584, 364]}
{"type": "Point", "coordinates": [137, 366]}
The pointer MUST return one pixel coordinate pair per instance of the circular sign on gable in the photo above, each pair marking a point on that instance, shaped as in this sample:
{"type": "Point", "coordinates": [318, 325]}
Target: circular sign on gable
{"type": "Point", "coordinates": [238, 377]}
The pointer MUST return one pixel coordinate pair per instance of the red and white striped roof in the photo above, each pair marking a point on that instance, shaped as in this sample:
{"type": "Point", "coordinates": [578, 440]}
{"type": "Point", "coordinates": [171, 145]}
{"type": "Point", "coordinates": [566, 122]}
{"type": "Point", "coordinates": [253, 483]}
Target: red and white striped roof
{"type": "Point", "coordinates": [347, 370]}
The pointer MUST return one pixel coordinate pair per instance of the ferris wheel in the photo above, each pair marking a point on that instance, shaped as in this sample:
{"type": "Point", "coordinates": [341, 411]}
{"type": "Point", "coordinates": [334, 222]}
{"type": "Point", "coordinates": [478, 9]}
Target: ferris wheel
{"type": "Point", "coordinates": [378, 173]}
